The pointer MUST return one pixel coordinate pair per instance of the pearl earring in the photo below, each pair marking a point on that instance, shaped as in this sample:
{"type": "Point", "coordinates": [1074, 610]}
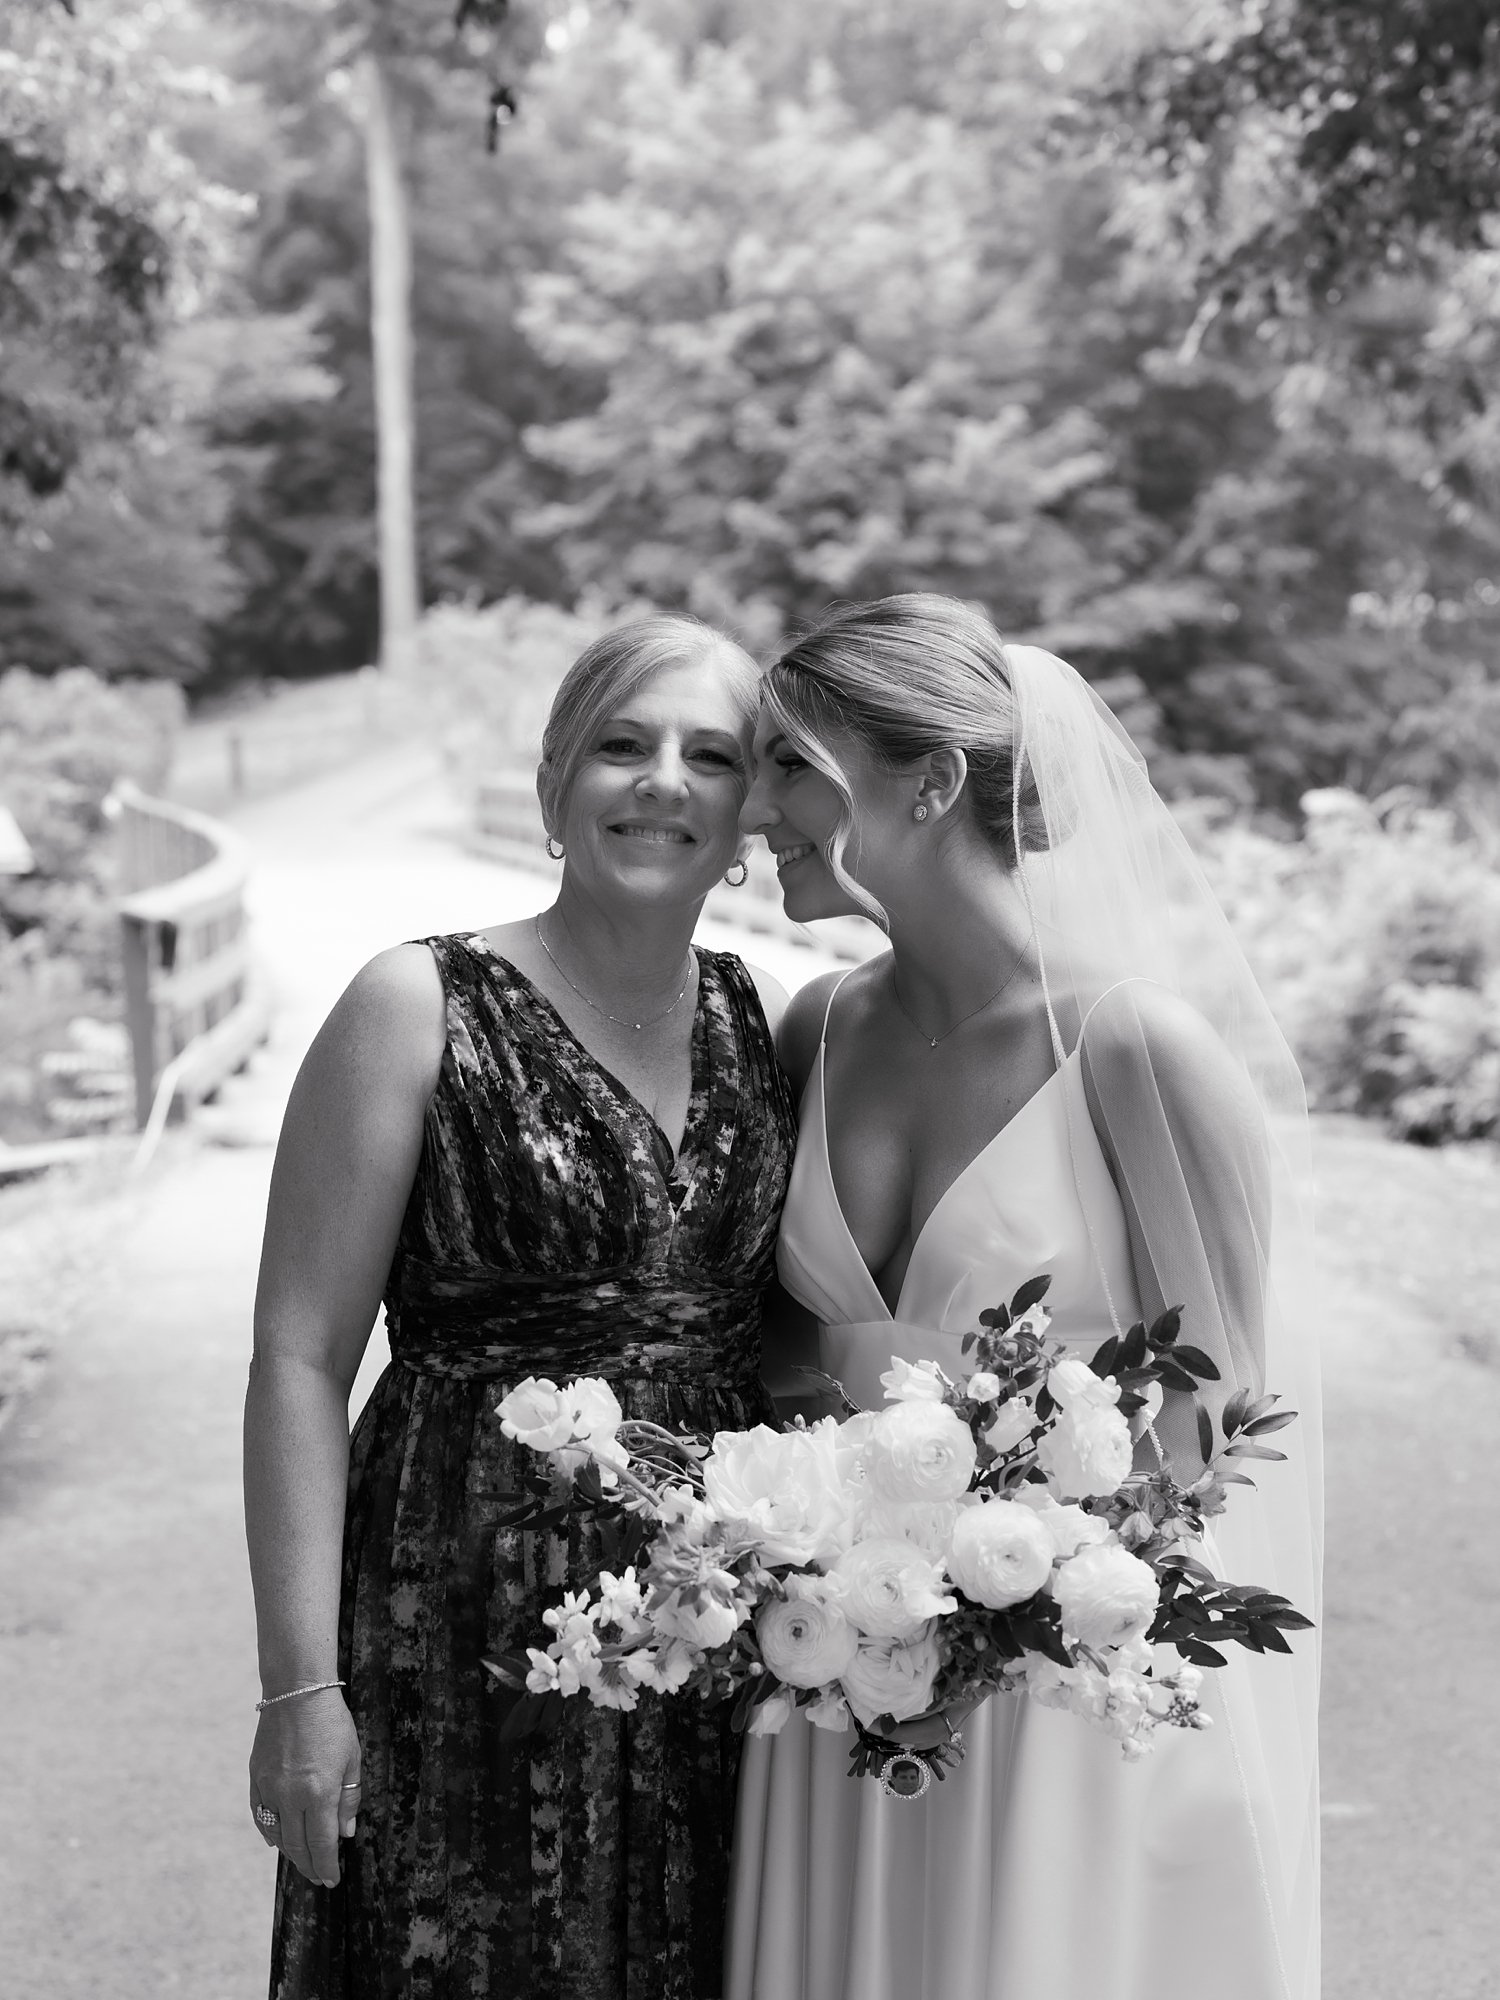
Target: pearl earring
{"type": "Point", "coordinates": [919, 812]}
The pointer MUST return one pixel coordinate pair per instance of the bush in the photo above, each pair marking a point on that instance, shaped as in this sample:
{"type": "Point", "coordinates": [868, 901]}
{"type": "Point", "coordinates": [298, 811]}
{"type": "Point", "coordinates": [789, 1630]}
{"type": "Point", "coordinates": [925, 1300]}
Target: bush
{"type": "Point", "coordinates": [493, 670]}
{"type": "Point", "coordinates": [1377, 938]}
{"type": "Point", "coordinates": [64, 741]}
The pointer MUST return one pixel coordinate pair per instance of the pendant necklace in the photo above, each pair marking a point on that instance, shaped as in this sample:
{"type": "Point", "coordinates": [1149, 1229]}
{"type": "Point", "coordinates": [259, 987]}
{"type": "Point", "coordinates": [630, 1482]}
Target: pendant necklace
{"type": "Point", "coordinates": [933, 1040]}
{"type": "Point", "coordinates": [617, 1019]}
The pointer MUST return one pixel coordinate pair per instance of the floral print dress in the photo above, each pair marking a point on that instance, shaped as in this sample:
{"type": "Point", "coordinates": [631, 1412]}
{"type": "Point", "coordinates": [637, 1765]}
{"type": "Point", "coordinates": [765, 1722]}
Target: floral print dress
{"type": "Point", "coordinates": [551, 1232]}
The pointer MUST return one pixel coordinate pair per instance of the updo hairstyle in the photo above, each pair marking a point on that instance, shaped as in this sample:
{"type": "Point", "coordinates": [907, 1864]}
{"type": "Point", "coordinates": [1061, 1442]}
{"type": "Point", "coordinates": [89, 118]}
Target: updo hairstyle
{"type": "Point", "coordinates": [610, 672]}
{"type": "Point", "coordinates": [906, 676]}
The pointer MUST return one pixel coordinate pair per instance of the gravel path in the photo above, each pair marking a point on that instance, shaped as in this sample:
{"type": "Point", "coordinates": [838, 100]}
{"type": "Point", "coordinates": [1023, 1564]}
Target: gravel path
{"type": "Point", "coordinates": [128, 1870]}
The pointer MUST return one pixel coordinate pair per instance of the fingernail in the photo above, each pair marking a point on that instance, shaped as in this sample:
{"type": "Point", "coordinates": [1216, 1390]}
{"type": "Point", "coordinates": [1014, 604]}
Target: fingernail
{"type": "Point", "coordinates": [348, 1831]}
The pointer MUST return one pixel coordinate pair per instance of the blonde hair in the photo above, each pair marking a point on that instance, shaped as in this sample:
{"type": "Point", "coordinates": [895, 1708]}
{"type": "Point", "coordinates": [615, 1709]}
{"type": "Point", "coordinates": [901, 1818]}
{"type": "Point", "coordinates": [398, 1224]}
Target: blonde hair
{"type": "Point", "coordinates": [610, 672]}
{"type": "Point", "coordinates": [906, 676]}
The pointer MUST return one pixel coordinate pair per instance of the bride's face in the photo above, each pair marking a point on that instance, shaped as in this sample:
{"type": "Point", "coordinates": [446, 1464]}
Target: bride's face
{"type": "Point", "coordinates": [797, 810]}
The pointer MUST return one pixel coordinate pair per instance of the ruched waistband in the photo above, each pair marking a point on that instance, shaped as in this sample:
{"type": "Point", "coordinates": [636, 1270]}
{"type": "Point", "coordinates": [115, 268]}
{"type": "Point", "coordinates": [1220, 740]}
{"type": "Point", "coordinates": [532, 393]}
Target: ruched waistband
{"type": "Point", "coordinates": [625, 1324]}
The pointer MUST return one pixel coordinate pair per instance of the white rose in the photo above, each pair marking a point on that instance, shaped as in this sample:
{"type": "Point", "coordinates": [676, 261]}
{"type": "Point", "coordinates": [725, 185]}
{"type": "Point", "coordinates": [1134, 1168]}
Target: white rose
{"type": "Point", "coordinates": [919, 1451]}
{"type": "Point", "coordinates": [1107, 1596]}
{"type": "Point", "coordinates": [1074, 1383]}
{"type": "Point", "coordinates": [1070, 1528]}
{"type": "Point", "coordinates": [983, 1386]}
{"type": "Point", "coordinates": [787, 1486]}
{"type": "Point", "coordinates": [829, 1711]}
{"type": "Point", "coordinates": [1088, 1450]}
{"type": "Point", "coordinates": [894, 1677]}
{"type": "Point", "coordinates": [596, 1407]}
{"type": "Point", "coordinates": [771, 1716]}
{"type": "Point", "coordinates": [912, 1382]}
{"type": "Point", "coordinates": [804, 1642]}
{"type": "Point", "coordinates": [537, 1413]}
{"type": "Point", "coordinates": [890, 1589]}
{"type": "Point", "coordinates": [709, 1623]}
{"type": "Point", "coordinates": [926, 1524]}
{"type": "Point", "coordinates": [1000, 1554]}
{"type": "Point", "coordinates": [1013, 1424]}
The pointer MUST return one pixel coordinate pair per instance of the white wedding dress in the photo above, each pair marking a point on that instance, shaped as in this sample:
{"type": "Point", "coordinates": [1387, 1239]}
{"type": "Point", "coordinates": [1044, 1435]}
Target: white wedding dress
{"type": "Point", "coordinates": [1046, 1867]}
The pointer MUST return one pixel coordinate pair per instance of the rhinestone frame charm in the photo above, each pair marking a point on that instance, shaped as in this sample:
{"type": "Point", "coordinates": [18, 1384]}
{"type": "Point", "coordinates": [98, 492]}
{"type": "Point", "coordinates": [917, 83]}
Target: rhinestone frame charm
{"type": "Point", "coordinates": [905, 1776]}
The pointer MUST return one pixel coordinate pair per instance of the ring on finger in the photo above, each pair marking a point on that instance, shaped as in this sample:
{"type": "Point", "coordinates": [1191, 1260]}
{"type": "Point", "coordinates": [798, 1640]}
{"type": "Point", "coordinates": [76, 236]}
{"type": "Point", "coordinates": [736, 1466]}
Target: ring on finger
{"type": "Point", "coordinates": [265, 1817]}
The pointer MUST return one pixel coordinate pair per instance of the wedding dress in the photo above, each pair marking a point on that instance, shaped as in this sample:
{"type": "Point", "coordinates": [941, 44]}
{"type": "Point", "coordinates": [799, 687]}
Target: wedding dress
{"type": "Point", "coordinates": [1046, 1867]}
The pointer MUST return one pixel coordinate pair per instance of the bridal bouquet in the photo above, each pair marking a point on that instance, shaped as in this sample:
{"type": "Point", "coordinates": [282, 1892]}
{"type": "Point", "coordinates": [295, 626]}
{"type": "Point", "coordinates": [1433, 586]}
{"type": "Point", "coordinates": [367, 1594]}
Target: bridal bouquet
{"type": "Point", "coordinates": [974, 1535]}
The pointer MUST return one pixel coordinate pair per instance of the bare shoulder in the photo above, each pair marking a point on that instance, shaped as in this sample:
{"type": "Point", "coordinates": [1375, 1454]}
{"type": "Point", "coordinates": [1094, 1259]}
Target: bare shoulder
{"type": "Point", "coordinates": [388, 1029]}
{"type": "Point", "coordinates": [801, 1027]}
{"type": "Point", "coordinates": [1142, 1041]}
{"type": "Point", "coordinates": [772, 994]}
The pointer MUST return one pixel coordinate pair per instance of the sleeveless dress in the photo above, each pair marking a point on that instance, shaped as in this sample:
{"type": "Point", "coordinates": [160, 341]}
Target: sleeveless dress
{"type": "Point", "coordinates": [1046, 1867]}
{"type": "Point", "coordinates": [551, 1232]}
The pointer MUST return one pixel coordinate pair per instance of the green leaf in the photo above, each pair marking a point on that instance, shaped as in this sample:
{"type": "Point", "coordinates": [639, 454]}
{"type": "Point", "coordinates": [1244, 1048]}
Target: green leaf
{"type": "Point", "coordinates": [1166, 1329]}
{"type": "Point", "coordinates": [1103, 1362]}
{"type": "Point", "coordinates": [1244, 1450]}
{"type": "Point", "coordinates": [1175, 1377]}
{"type": "Point", "coordinates": [1234, 1412]}
{"type": "Point", "coordinates": [531, 1715]}
{"type": "Point", "coordinates": [1276, 1421]}
{"type": "Point", "coordinates": [1030, 1294]}
{"type": "Point", "coordinates": [967, 1342]}
{"type": "Point", "coordinates": [1205, 1433]}
{"type": "Point", "coordinates": [1195, 1359]}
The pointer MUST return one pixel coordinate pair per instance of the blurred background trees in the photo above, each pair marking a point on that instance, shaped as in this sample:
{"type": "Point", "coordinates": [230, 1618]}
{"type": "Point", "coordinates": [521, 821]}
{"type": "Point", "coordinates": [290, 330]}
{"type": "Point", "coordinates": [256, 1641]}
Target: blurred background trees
{"type": "Point", "coordinates": [1168, 333]}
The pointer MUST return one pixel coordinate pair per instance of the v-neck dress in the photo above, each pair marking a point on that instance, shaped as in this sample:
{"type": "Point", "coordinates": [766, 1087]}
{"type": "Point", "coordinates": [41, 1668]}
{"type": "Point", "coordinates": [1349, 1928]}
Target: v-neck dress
{"type": "Point", "coordinates": [549, 1232]}
{"type": "Point", "coordinates": [1046, 1867]}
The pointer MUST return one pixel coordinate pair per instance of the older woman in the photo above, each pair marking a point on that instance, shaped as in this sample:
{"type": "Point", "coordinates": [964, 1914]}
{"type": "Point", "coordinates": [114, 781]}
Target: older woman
{"type": "Point", "coordinates": [558, 1147]}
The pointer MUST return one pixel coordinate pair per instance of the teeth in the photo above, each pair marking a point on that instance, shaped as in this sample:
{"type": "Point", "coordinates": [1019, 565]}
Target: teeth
{"type": "Point", "coordinates": [660, 834]}
{"type": "Point", "coordinates": [790, 854]}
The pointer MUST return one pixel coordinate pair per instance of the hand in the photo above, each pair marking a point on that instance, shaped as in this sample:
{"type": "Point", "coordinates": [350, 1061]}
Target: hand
{"type": "Point", "coordinates": [304, 1765]}
{"type": "Point", "coordinates": [937, 1728]}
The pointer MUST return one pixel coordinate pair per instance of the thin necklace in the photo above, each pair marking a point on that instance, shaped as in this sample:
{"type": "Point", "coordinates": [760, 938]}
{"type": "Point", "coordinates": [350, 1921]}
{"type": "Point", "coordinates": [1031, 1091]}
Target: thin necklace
{"type": "Point", "coordinates": [933, 1040]}
{"type": "Point", "coordinates": [619, 1023]}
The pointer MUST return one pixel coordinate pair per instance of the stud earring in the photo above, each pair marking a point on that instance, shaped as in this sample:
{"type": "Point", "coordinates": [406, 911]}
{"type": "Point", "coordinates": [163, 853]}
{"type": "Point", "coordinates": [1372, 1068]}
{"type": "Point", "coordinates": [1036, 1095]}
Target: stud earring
{"type": "Point", "coordinates": [919, 812]}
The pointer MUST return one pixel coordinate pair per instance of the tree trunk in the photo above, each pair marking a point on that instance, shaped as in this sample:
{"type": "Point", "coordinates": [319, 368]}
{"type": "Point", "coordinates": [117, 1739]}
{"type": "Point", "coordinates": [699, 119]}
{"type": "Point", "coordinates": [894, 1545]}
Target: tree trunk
{"type": "Point", "coordinates": [391, 341]}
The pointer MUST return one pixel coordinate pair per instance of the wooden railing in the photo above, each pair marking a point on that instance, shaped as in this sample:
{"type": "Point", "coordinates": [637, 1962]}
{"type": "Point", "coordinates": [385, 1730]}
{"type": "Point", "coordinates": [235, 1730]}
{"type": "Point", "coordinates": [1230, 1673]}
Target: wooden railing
{"type": "Point", "coordinates": [193, 1005]}
{"type": "Point", "coordinates": [508, 822]}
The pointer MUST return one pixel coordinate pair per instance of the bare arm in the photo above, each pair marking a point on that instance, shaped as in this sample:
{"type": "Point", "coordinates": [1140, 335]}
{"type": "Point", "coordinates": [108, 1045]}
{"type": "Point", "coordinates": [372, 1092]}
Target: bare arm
{"type": "Point", "coordinates": [344, 1167]}
{"type": "Point", "coordinates": [1185, 1142]}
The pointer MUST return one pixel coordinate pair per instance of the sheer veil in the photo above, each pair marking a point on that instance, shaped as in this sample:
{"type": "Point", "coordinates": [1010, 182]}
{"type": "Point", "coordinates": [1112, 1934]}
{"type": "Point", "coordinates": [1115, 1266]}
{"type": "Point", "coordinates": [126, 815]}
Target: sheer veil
{"type": "Point", "coordinates": [1199, 1105]}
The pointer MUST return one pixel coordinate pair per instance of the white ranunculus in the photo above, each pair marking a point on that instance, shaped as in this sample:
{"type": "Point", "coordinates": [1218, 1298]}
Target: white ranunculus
{"type": "Point", "coordinates": [893, 1677]}
{"type": "Point", "coordinates": [787, 1486]}
{"type": "Point", "coordinates": [926, 1524]}
{"type": "Point", "coordinates": [919, 1451]}
{"type": "Point", "coordinates": [771, 1716]}
{"type": "Point", "coordinates": [1014, 1422]}
{"type": "Point", "coordinates": [537, 1413]}
{"type": "Point", "coordinates": [596, 1407]}
{"type": "Point", "coordinates": [805, 1641]}
{"type": "Point", "coordinates": [912, 1382]}
{"type": "Point", "coordinates": [889, 1589]}
{"type": "Point", "coordinates": [983, 1386]}
{"type": "Point", "coordinates": [1000, 1554]}
{"type": "Point", "coordinates": [1070, 1528]}
{"type": "Point", "coordinates": [1088, 1450]}
{"type": "Point", "coordinates": [1106, 1596]}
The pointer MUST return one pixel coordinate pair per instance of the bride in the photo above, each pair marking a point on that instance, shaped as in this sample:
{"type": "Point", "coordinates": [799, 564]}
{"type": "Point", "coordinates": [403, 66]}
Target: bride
{"type": "Point", "coordinates": [1062, 1065]}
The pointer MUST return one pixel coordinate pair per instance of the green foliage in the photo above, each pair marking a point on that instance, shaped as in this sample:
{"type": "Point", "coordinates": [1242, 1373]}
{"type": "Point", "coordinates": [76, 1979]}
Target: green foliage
{"type": "Point", "coordinates": [65, 739]}
{"type": "Point", "coordinates": [1324, 139]}
{"type": "Point", "coordinates": [492, 672]}
{"type": "Point", "coordinates": [1377, 938]}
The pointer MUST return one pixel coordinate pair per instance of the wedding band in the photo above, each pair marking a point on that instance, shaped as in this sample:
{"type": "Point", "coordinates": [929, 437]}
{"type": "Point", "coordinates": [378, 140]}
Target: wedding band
{"type": "Point", "coordinates": [265, 1817]}
{"type": "Point", "coordinates": [350, 1788]}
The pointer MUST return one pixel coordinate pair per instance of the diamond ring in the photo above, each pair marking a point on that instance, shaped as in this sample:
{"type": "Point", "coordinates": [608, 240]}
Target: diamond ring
{"type": "Point", "coordinates": [265, 1817]}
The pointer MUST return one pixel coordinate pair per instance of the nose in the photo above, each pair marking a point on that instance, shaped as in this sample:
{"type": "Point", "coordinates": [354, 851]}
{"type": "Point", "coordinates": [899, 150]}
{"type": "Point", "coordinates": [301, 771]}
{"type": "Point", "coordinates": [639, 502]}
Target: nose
{"type": "Point", "coordinates": [758, 813]}
{"type": "Point", "coordinates": [666, 777]}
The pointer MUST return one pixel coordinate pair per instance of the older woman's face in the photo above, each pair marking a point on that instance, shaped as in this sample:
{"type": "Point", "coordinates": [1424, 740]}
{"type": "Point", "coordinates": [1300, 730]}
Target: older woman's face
{"type": "Point", "coordinates": [653, 811]}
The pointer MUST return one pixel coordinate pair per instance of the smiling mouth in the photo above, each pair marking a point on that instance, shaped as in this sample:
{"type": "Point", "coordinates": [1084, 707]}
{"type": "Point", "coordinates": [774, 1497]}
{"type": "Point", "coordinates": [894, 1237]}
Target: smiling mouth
{"type": "Point", "coordinates": [663, 836]}
{"type": "Point", "coordinates": [787, 856]}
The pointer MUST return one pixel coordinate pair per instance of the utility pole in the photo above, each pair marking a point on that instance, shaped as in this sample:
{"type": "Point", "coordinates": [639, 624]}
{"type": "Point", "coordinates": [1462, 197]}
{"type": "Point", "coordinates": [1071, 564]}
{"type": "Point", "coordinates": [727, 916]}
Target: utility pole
{"type": "Point", "coordinates": [391, 344]}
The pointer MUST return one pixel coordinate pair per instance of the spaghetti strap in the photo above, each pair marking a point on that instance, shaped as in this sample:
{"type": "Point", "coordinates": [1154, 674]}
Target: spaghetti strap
{"type": "Point", "coordinates": [828, 1010]}
{"type": "Point", "coordinates": [1130, 979]}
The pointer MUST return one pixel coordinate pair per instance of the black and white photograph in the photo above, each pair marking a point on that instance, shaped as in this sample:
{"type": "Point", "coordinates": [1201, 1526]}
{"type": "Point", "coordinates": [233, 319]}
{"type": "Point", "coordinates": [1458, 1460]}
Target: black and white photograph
{"type": "Point", "coordinates": [749, 999]}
